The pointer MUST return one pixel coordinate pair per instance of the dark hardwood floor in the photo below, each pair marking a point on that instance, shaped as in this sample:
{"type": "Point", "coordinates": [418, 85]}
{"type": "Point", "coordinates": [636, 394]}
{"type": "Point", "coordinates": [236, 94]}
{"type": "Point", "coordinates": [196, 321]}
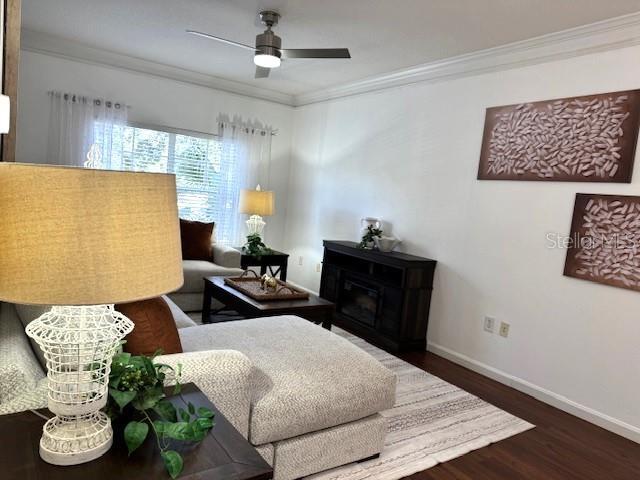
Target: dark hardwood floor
{"type": "Point", "coordinates": [561, 446]}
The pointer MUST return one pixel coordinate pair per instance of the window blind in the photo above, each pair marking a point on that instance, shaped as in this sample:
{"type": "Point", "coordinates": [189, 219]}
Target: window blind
{"type": "Point", "coordinates": [208, 183]}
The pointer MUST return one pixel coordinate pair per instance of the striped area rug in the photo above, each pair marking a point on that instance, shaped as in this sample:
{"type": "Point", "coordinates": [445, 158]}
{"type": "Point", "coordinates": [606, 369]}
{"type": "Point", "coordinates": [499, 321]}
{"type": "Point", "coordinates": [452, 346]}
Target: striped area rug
{"type": "Point", "coordinates": [432, 422]}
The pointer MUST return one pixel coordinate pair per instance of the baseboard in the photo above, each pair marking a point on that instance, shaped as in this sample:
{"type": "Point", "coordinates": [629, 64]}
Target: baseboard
{"type": "Point", "coordinates": [551, 398]}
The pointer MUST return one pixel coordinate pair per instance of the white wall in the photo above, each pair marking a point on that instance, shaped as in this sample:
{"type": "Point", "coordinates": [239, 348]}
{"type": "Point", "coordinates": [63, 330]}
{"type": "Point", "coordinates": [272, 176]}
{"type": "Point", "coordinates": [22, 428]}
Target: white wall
{"type": "Point", "coordinates": [410, 156]}
{"type": "Point", "coordinates": [153, 100]}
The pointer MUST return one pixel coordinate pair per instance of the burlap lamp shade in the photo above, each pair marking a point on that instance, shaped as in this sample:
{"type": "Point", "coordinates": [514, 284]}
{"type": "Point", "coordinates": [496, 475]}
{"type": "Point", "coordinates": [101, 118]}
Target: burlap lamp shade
{"type": "Point", "coordinates": [74, 236]}
{"type": "Point", "coordinates": [256, 203]}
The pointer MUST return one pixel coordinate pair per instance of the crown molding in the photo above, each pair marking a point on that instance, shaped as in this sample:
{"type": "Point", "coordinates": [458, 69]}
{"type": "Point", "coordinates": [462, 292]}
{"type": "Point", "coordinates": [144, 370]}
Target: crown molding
{"type": "Point", "coordinates": [618, 32]}
{"type": "Point", "coordinates": [610, 34]}
{"type": "Point", "coordinates": [33, 41]}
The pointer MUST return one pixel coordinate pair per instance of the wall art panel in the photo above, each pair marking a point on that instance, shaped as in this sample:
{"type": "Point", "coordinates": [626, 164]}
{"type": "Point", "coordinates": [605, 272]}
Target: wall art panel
{"type": "Point", "coordinates": [578, 139]}
{"type": "Point", "coordinates": [604, 246]}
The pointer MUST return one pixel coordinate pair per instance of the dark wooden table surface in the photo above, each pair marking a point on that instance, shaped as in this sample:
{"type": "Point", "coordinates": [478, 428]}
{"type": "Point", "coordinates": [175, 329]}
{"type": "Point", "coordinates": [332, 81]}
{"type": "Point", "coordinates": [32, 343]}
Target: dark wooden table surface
{"type": "Point", "coordinates": [314, 309]}
{"type": "Point", "coordinates": [276, 262]}
{"type": "Point", "coordinates": [223, 454]}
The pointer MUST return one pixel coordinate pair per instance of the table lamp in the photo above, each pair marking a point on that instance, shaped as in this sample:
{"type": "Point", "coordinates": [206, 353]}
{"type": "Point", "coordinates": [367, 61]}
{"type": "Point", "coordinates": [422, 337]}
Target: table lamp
{"type": "Point", "coordinates": [257, 203]}
{"type": "Point", "coordinates": [82, 240]}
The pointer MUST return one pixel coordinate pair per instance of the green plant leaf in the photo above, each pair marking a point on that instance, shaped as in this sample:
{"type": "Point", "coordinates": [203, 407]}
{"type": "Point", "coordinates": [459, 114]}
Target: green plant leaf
{"type": "Point", "coordinates": [166, 410]}
{"type": "Point", "coordinates": [184, 415]}
{"type": "Point", "coordinates": [192, 409]}
{"type": "Point", "coordinates": [134, 435]}
{"type": "Point", "coordinates": [178, 431]}
{"type": "Point", "coordinates": [177, 388]}
{"type": "Point", "coordinates": [205, 423]}
{"type": "Point", "coordinates": [205, 412]}
{"type": "Point", "coordinates": [149, 398]}
{"type": "Point", "coordinates": [197, 433]}
{"type": "Point", "coordinates": [157, 352]}
{"type": "Point", "coordinates": [148, 365]}
{"type": "Point", "coordinates": [114, 381]}
{"type": "Point", "coordinates": [160, 425]}
{"type": "Point", "coordinates": [122, 398]}
{"type": "Point", "coordinates": [172, 462]}
{"type": "Point", "coordinates": [163, 366]}
{"type": "Point", "coordinates": [121, 358]}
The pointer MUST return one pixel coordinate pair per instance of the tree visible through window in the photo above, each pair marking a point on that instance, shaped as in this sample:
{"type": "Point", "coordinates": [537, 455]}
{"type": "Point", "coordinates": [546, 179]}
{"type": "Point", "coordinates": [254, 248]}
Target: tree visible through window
{"type": "Point", "coordinates": [207, 191]}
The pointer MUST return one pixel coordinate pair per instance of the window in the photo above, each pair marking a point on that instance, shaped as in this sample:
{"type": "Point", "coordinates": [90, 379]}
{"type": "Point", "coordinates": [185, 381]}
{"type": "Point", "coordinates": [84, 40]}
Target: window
{"type": "Point", "coordinates": [208, 181]}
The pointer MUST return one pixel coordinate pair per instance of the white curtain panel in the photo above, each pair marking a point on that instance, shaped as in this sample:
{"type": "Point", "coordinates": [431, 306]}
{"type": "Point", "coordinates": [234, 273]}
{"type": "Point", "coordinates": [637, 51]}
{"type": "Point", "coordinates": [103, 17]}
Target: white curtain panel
{"type": "Point", "coordinates": [246, 155]}
{"type": "Point", "coordinates": [77, 122]}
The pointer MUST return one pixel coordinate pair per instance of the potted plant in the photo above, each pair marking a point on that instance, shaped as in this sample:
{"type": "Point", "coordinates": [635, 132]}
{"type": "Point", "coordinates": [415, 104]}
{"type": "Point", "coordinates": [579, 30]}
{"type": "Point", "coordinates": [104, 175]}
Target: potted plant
{"type": "Point", "coordinates": [136, 395]}
{"type": "Point", "coordinates": [369, 235]}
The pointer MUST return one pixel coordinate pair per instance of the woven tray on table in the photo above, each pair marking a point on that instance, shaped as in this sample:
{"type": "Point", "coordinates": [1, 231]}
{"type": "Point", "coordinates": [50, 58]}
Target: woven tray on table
{"type": "Point", "coordinates": [252, 287]}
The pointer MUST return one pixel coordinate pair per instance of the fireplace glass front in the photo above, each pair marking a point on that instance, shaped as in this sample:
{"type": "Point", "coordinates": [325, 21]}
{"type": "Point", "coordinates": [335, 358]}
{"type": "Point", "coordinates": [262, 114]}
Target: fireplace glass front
{"type": "Point", "coordinates": [359, 301]}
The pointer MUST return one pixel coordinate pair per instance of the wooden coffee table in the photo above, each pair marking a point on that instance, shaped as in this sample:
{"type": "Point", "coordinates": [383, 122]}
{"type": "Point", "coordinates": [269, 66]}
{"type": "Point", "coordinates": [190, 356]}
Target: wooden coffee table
{"type": "Point", "coordinates": [224, 453]}
{"type": "Point", "coordinates": [315, 309]}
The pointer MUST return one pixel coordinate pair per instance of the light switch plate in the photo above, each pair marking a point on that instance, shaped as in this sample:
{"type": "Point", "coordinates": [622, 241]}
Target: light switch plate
{"type": "Point", "coordinates": [504, 329]}
{"type": "Point", "coordinates": [489, 324]}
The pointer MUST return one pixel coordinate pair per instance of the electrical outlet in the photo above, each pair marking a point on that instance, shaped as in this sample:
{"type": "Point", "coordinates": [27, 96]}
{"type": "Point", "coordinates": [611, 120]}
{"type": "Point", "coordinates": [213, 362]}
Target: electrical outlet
{"type": "Point", "coordinates": [319, 267]}
{"type": "Point", "coordinates": [504, 329]}
{"type": "Point", "coordinates": [300, 260]}
{"type": "Point", "coordinates": [489, 324]}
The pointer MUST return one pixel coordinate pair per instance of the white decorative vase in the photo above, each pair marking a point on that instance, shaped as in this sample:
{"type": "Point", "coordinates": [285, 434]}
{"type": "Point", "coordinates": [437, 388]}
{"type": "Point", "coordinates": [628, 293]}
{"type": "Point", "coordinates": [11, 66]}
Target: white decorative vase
{"type": "Point", "coordinates": [367, 222]}
{"type": "Point", "coordinates": [386, 244]}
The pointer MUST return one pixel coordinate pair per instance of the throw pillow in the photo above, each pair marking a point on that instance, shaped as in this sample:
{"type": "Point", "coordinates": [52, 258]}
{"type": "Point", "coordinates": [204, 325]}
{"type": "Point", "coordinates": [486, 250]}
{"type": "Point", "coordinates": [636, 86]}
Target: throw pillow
{"type": "Point", "coordinates": [196, 240]}
{"type": "Point", "coordinates": [154, 327]}
{"type": "Point", "coordinates": [20, 371]}
{"type": "Point", "coordinates": [27, 314]}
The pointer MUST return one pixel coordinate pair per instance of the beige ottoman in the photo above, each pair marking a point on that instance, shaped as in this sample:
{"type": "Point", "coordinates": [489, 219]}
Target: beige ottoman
{"type": "Point", "coordinates": [315, 398]}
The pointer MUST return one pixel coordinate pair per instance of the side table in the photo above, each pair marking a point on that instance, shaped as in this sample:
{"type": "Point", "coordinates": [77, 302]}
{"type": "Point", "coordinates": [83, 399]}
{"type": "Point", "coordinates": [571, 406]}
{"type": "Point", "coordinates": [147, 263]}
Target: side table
{"type": "Point", "coordinates": [276, 262]}
{"type": "Point", "coordinates": [224, 453]}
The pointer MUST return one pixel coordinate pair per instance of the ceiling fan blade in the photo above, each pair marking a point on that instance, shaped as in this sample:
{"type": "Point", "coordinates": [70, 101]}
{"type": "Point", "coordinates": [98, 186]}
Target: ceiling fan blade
{"type": "Point", "coordinates": [262, 72]}
{"type": "Point", "coordinates": [223, 40]}
{"type": "Point", "coordinates": [315, 53]}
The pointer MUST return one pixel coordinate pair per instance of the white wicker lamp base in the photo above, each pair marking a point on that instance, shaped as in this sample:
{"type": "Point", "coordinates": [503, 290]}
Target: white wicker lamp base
{"type": "Point", "coordinates": [78, 344]}
{"type": "Point", "coordinates": [255, 225]}
{"type": "Point", "coordinates": [74, 440]}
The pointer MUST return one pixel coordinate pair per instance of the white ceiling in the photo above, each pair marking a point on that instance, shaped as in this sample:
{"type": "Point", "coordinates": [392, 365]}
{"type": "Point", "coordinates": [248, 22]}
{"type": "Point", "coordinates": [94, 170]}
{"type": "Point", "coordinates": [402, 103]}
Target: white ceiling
{"type": "Point", "coordinates": [382, 35]}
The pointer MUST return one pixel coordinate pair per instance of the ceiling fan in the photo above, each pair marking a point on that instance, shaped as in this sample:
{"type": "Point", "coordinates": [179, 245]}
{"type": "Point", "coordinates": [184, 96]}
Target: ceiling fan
{"type": "Point", "coordinates": [268, 49]}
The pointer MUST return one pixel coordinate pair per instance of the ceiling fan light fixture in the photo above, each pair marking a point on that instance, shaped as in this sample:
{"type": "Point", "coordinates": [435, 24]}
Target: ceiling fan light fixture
{"type": "Point", "coordinates": [266, 61]}
{"type": "Point", "coordinates": [268, 47]}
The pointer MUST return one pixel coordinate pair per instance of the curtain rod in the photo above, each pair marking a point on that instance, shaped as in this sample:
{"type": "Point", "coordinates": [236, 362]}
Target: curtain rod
{"type": "Point", "coordinates": [96, 101]}
{"type": "Point", "coordinates": [247, 127]}
{"type": "Point", "coordinates": [179, 131]}
{"type": "Point", "coordinates": [164, 128]}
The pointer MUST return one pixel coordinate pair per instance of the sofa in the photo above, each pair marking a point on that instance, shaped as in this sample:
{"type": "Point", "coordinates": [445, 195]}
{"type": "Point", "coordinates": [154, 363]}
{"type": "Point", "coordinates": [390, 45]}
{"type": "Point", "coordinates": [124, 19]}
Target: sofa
{"type": "Point", "coordinates": [225, 262]}
{"type": "Point", "coordinates": [307, 399]}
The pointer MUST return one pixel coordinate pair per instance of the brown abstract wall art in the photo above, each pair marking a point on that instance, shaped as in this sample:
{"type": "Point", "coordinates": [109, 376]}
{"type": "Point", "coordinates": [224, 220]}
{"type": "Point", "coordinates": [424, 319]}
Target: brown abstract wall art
{"type": "Point", "coordinates": [605, 240]}
{"type": "Point", "coordinates": [577, 139]}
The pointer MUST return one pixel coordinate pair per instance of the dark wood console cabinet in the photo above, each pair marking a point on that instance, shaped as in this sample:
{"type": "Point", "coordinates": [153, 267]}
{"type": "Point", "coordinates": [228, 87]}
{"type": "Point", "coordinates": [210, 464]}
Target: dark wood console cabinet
{"type": "Point", "coordinates": [382, 297]}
